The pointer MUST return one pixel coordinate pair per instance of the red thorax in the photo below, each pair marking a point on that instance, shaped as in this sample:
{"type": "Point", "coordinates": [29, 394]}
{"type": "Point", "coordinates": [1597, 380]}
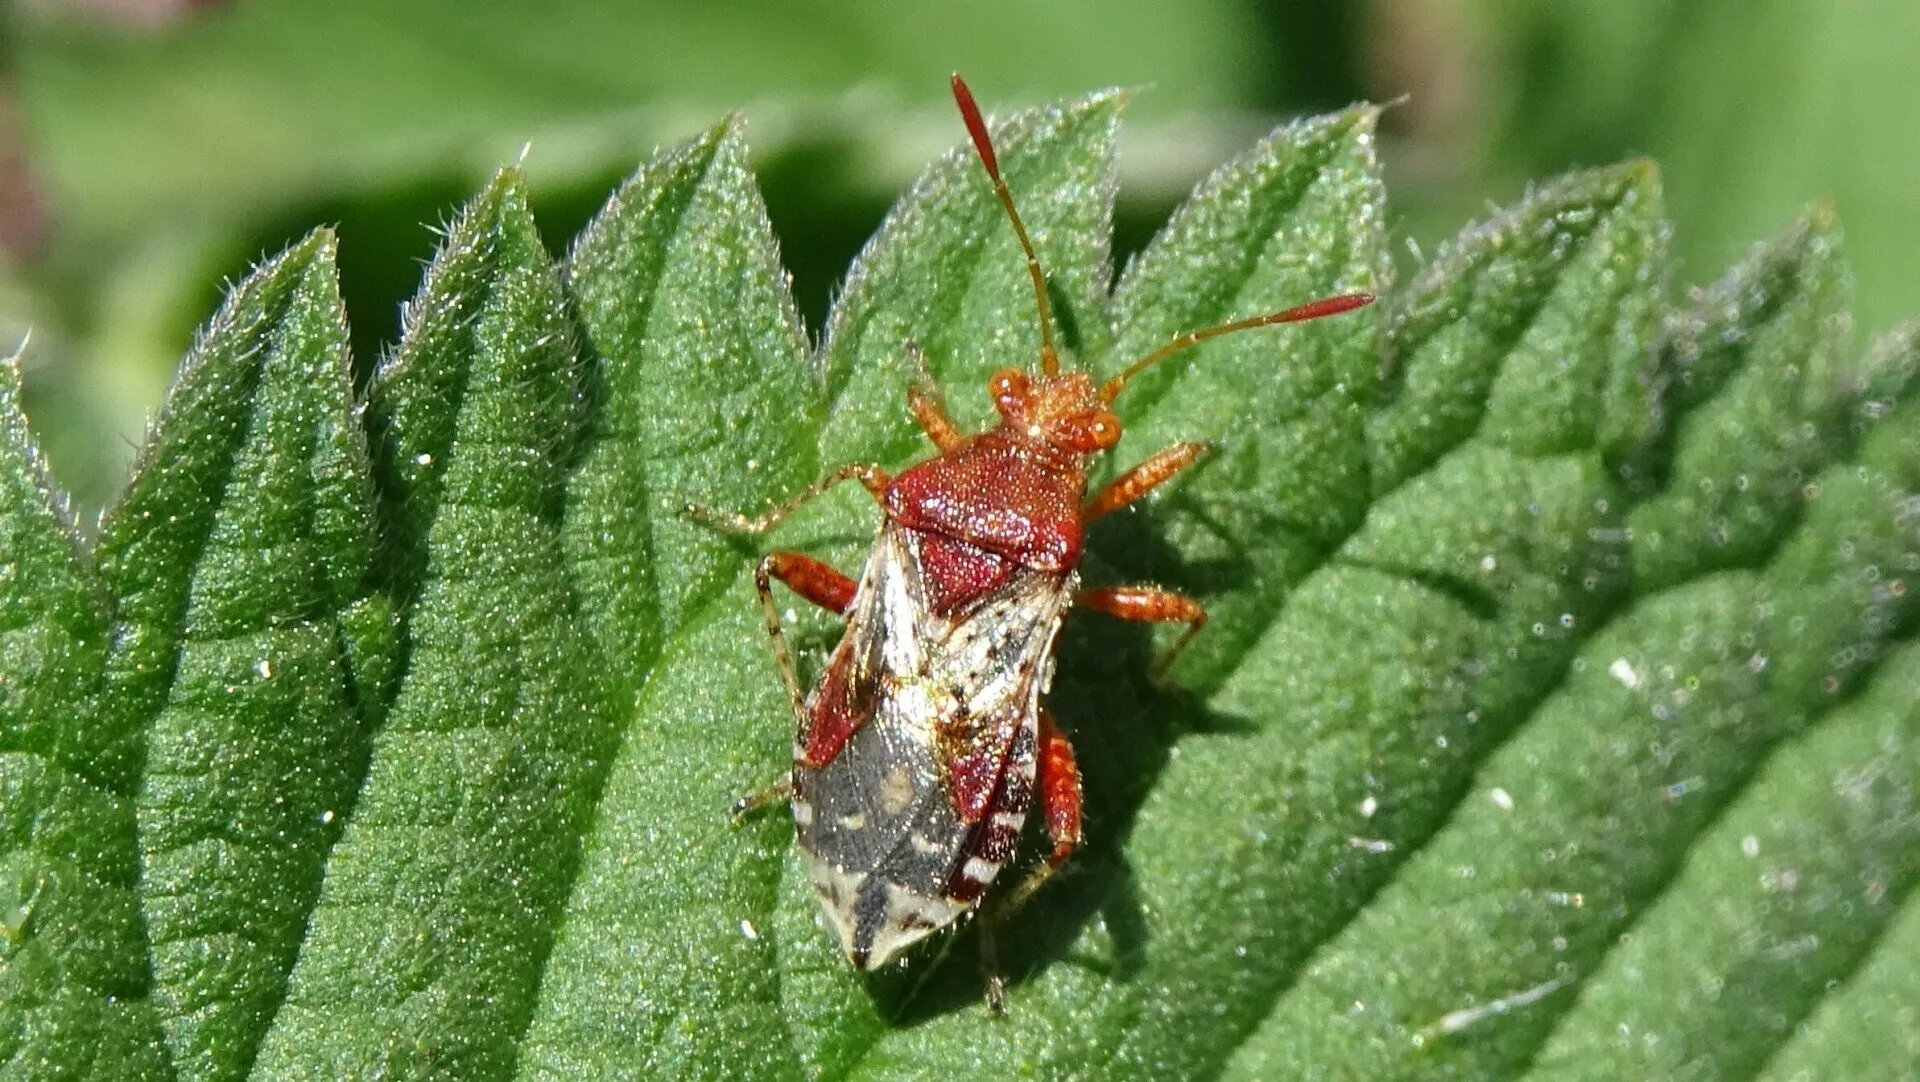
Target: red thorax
{"type": "Point", "coordinates": [1011, 496]}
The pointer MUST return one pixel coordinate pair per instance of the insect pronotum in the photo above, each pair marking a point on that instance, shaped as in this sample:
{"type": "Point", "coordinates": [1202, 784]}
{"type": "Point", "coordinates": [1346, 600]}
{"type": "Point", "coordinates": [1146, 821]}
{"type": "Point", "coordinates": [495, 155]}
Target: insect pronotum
{"type": "Point", "coordinates": [921, 746]}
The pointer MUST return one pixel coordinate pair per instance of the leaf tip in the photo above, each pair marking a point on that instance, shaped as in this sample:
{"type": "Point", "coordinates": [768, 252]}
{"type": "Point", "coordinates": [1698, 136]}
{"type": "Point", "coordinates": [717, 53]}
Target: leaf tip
{"type": "Point", "coordinates": [10, 378]}
{"type": "Point", "coordinates": [1822, 216]}
{"type": "Point", "coordinates": [504, 195]}
{"type": "Point", "coordinates": [1643, 173]}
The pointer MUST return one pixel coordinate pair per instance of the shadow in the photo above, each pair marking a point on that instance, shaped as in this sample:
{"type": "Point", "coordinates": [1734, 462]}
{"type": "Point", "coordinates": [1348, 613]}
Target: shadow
{"type": "Point", "coordinates": [1132, 547]}
{"type": "Point", "coordinates": [820, 218]}
{"type": "Point", "coordinates": [388, 235]}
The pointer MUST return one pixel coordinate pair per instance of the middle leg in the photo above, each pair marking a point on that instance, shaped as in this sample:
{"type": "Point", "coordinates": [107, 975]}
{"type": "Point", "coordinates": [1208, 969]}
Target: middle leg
{"type": "Point", "coordinates": [1148, 604]}
{"type": "Point", "coordinates": [1157, 470]}
{"type": "Point", "coordinates": [811, 579]}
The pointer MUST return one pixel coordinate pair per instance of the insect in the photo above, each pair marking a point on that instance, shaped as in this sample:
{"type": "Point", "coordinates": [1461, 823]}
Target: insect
{"type": "Point", "coordinates": [923, 744]}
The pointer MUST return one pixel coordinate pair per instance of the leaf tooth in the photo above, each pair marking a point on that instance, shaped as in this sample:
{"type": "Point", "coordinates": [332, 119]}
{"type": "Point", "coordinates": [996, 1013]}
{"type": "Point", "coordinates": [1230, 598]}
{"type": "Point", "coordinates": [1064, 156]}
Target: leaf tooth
{"type": "Point", "coordinates": [444, 890]}
{"type": "Point", "coordinates": [74, 955]}
{"type": "Point", "coordinates": [1758, 392]}
{"type": "Point", "coordinates": [1532, 329]}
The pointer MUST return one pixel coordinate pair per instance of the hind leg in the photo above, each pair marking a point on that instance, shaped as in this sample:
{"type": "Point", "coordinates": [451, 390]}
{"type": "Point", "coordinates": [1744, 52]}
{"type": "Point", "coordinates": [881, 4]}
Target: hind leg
{"type": "Point", "coordinates": [1058, 778]}
{"type": "Point", "coordinates": [1059, 781]}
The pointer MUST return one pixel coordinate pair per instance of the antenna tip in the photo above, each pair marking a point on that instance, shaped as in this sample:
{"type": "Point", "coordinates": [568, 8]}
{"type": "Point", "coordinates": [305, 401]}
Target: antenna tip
{"type": "Point", "coordinates": [1326, 306]}
{"type": "Point", "coordinates": [976, 126]}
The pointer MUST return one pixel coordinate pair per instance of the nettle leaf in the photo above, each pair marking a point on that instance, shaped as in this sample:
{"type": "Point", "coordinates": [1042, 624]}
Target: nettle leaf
{"type": "Point", "coordinates": [1575, 827]}
{"type": "Point", "coordinates": [424, 950]}
{"type": "Point", "coordinates": [1297, 217]}
{"type": "Point", "coordinates": [709, 399]}
{"type": "Point", "coordinates": [247, 648]}
{"type": "Point", "coordinates": [74, 979]}
{"type": "Point", "coordinates": [1556, 715]}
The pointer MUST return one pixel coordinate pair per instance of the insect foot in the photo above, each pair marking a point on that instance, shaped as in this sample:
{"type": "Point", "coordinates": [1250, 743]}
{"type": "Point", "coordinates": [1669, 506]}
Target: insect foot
{"type": "Point", "coordinates": [778, 793]}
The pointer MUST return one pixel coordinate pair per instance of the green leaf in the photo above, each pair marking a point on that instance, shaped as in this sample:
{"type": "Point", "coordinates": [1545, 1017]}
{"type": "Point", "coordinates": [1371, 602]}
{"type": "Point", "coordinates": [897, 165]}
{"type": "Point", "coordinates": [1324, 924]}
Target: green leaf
{"type": "Point", "coordinates": [1769, 909]}
{"type": "Point", "coordinates": [73, 959]}
{"type": "Point", "coordinates": [1529, 330]}
{"type": "Point", "coordinates": [1296, 218]}
{"type": "Point", "coordinates": [402, 93]}
{"type": "Point", "coordinates": [1762, 355]}
{"type": "Point", "coordinates": [1577, 824]}
{"type": "Point", "coordinates": [708, 399]}
{"type": "Point", "coordinates": [1560, 676]}
{"type": "Point", "coordinates": [249, 650]}
{"type": "Point", "coordinates": [1866, 1028]}
{"type": "Point", "coordinates": [441, 895]}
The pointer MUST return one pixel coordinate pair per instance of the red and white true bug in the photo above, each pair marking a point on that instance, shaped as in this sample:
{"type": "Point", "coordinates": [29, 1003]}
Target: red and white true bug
{"type": "Point", "coordinates": [922, 744]}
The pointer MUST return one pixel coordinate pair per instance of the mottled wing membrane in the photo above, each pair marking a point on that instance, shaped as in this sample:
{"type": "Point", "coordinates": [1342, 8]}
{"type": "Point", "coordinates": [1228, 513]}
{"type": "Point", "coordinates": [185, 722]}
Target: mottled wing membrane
{"type": "Point", "coordinates": [895, 817]}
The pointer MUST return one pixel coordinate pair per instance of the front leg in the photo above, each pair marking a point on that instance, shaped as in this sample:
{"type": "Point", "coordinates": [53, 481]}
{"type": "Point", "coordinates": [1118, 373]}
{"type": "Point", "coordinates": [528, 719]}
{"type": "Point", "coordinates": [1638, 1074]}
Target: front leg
{"type": "Point", "coordinates": [873, 477]}
{"type": "Point", "coordinates": [812, 580]}
{"type": "Point", "coordinates": [929, 406]}
{"type": "Point", "coordinates": [1148, 604]}
{"type": "Point", "coordinates": [1157, 470]}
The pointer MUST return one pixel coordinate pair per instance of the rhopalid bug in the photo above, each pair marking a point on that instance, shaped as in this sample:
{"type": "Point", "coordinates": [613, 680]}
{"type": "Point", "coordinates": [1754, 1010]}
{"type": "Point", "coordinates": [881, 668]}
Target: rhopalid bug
{"type": "Point", "coordinates": [921, 746]}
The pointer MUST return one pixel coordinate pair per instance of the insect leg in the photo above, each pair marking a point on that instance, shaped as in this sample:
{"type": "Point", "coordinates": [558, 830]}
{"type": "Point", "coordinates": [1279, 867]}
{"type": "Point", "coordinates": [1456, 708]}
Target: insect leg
{"type": "Point", "coordinates": [929, 406]}
{"type": "Point", "coordinates": [1059, 781]}
{"type": "Point", "coordinates": [825, 587]}
{"type": "Point", "coordinates": [783, 564]}
{"type": "Point", "coordinates": [873, 477]}
{"type": "Point", "coordinates": [990, 967]}
{"type": "Point", "coordinates": [817, 582]}
{"type": "Point", "coordinates": [776, 793]}
{"type": "Point", "coordinates": [773, 564]}
{"type": "Point", "coordinates": [1144, 478]}
{"type": "Point", "coordinates": [1148, 604]}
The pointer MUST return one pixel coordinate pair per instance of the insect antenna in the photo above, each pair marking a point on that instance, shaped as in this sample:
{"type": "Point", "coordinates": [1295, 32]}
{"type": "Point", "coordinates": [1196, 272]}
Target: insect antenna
{"type": "Point", "coordinates": [1325, 306]}
{"type": "Point", "coordinates": [977, 128]}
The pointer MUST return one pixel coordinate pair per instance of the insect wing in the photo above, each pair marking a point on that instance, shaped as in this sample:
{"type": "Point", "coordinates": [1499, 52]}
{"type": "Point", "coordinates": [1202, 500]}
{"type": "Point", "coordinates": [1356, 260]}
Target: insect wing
{"type": "Point", "coordinates": [948, 700]}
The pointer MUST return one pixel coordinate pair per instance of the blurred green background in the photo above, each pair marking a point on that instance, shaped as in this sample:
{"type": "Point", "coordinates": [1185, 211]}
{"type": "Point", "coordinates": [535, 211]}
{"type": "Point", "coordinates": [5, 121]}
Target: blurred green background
{"type": "Point", "coordinates": [152, 149]}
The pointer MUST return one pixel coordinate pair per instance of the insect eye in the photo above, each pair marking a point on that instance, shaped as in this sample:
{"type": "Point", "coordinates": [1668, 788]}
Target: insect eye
{"type": "Point", "coordinates": [1103, 430]}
